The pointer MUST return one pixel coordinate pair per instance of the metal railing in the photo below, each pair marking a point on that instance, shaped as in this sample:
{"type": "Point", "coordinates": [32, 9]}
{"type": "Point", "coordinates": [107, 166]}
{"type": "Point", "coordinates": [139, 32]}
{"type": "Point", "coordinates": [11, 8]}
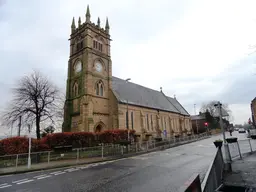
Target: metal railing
{"type": "Point", "coordinates": [241, 147]}
{"type": "Point", "coordinates": [214, 175]}
{"type": "Point", "coordinates": [46, 159]}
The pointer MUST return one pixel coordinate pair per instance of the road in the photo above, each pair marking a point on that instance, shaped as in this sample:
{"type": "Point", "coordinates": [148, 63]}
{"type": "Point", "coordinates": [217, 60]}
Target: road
{"type": "Point", "coordinates": [158, 171]}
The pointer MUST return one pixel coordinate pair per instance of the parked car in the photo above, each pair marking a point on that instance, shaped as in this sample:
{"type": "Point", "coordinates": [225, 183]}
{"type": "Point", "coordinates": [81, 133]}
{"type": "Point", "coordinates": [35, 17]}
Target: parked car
{"type": "Point", "coordinates": [236, 129]}
{"type": "Point", "coordinates": [241, 130]}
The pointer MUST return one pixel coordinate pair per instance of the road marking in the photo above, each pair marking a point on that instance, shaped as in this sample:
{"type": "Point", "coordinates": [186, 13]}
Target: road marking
{"type": "Point", "coordinates": [20, 180]}
{"type": "Point", "coordinates": [59, 173]}
{"type": "Point", "coordinates": [25, 181]}
{"type": "Point", "coordinates": [39, 176]}
{"type": "Point", "coordinates": [44, 177]}
{"type": "Point", "coordinates": [4, 186]}
{"type": "Point", "coordinates": [84, 167]}
{"type": "Point", "coordinates": [53, 173]}
{"type": "Point", "coordinates": [71, 170]}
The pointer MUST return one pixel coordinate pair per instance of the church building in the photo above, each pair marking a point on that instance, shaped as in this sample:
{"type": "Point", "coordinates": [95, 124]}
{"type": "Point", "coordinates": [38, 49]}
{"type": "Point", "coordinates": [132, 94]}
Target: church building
{"type": "Point", "coordinates": [97, 101]}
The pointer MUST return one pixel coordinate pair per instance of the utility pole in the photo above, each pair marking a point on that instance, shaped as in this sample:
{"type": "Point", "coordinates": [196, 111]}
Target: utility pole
{"type": "Point", "coordinates": [19, 126]}
{"type": "Point", "coordinates": [29, 146]}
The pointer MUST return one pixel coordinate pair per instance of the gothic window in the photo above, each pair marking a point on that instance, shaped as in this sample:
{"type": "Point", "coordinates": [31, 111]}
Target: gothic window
{"type": "Point", "coordinates": [75, 89]}
{"type": "Point", "coordinates": [99, 88]}
{"type": "Point", "coordinates": [151, 123]}
{"type": "Point", "coordinates": [79, 45]}
{"type": "Point", "coordinates": [132, 119]}
{"type": "Point", "coordinates": [97, 45]}
{"type": "Point", "coordinates": [147, 122]}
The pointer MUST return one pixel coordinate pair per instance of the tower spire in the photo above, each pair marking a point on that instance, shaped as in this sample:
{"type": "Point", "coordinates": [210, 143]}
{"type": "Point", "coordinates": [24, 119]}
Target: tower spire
{"type": "Point", "coordinates": [88, 15]}
{"type": "Point", "coordinates": [107, 26]}
{"type": "Point", "coordinates": [98, 22]}
{"type": "Point", "coordinates": [79, 22]}
{"type": "Point", "coordinates": [73, 26]}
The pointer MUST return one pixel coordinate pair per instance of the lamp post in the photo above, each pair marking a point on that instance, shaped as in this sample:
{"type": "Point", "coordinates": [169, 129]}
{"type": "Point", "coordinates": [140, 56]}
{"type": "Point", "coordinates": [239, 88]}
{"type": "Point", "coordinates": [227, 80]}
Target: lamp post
{"type": "Point", "coordinates": [226, 148]}
{"type": "Point", "coordinates": [127, 114]}
{"type": "Point", "coordinates": [196, 119]}
{"type": "Point", "coordinates": [29, 146]}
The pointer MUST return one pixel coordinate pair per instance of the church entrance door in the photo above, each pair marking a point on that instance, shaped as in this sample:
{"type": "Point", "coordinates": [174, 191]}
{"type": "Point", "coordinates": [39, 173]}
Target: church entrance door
{"type": "Point", "coordinates": [98, 128]}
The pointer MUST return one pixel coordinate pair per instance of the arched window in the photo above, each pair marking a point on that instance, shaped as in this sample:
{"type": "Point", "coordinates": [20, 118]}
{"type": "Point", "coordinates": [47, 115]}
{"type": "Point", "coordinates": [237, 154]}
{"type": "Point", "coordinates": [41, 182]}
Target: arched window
{"type": "Point", "coordinates": [99, 88]}
{"type": "Point", "coordinates": [75, 89]}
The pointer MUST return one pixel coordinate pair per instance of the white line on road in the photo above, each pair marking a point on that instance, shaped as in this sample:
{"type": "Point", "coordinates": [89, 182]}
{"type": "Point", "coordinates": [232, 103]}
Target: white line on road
{"type": "Point", "coordinates": [55, 172]}
{"type": "Point", "coordinates": [40, 176]}
{"type": "Point", "coordinates": [71, 170]}
{"type": "Point", "coordinates": [20, 180]}
{"type": "Point", "coordinates": [84, 167]}
{"type": "Point", "coordinates": [25, 181]}
{"type": "Point", "coordinates": [4, 186]}
{"type": "Point", "coordinates": [59, 173]}
{"type": "Point", "coordinates": [44, 177]}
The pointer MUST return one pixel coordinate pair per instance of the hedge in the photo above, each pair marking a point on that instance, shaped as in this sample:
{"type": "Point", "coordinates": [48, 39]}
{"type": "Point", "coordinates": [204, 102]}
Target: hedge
{"type": "Point", "coordinates": [17, 145]}
{"type": "Point", "coordinates": [114, 136]}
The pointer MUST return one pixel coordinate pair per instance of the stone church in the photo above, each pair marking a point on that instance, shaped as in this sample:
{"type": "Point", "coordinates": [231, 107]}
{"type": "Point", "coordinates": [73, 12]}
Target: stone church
{"type": "Point", "coordinates": [97, 101]}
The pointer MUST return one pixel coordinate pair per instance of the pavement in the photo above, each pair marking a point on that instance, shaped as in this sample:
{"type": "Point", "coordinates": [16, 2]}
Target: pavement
{"type": "Point", "coordinates": [243, 170]}
{"type": "Point", "coordinates": [165, 170]}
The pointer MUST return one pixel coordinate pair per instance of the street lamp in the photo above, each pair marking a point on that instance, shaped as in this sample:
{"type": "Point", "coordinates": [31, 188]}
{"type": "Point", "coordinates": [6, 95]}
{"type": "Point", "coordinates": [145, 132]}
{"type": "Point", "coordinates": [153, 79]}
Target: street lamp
{"type": "Point", "coordinates": [127, 114]}
{"type": "Point", "coordinates": [226, 148]}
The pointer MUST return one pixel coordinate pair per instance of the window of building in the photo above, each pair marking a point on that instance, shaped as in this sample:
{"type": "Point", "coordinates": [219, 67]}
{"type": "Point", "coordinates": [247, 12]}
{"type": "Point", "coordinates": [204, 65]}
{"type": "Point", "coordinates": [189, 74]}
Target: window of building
{"type": "Point", "coordinates": [75, 89]}
{"type": "Point", "coordinates": [79, 45]}
{"type": "Point", "coordinates": [132, 119]}
{"type": "Point", "coordinates": [99, 88]}
{"type": "Point", "coordinates": [147, 122]}
{"type": "Point", "coordinates": [151, 122]}
{"type": "Point", "coordinates": [97, 45]}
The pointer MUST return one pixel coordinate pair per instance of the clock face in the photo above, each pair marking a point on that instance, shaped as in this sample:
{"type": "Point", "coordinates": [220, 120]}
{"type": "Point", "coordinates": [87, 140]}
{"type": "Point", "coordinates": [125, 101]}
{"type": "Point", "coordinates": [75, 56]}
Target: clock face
{"type": "Point", "coordinates": [98, 66]}
{"type": "Point", "coordinates": [78, 66]}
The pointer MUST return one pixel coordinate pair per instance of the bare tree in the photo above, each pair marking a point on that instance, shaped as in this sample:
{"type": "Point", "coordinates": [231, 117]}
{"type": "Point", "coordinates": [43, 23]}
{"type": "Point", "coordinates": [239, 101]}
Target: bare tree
{"type": "Point", "coordinates": [34, 99]}
{"type": "Point", "coordinates": [211, 108]}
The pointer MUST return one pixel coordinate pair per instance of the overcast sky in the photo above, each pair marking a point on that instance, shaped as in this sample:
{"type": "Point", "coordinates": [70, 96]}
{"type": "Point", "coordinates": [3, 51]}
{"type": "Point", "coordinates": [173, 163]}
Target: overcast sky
{"type": "Point", "coordinates": [195, 49]}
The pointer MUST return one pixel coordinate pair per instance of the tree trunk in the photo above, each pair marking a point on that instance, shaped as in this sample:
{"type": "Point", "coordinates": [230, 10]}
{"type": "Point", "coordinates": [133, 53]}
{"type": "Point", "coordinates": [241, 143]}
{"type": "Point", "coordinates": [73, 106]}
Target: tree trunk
{"type": "Point", "coordinates": [38, 127]}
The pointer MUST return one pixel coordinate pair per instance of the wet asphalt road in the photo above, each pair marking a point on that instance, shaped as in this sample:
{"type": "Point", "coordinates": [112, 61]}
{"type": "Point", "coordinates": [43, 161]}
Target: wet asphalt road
{"type": "Point", "coordinates": [159, 171]}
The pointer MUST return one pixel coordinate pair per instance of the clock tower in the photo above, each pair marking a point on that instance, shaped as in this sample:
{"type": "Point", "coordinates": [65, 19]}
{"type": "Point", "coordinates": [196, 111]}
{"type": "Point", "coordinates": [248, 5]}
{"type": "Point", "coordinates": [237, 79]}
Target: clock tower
{"type": "Point", "coordinates": [88, 90]}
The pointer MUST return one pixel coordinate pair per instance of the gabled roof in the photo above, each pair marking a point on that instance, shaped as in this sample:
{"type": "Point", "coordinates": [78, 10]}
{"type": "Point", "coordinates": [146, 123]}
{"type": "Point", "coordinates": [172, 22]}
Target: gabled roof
{"type": "Point", "coordinates": [145, 97]}
{"type": "Point", "coordinates": [178, 106]}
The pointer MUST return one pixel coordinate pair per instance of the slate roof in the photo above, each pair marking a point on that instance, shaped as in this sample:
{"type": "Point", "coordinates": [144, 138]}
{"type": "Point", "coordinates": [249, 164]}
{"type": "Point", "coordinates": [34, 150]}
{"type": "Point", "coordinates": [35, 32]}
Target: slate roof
{"type": "Point", "coordinates": [178, 106]}
{"type": "Point", "coordinates": [144, 97]}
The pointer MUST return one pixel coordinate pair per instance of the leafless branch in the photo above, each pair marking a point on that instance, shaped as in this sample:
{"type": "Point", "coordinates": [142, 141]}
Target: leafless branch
{"type": "Point", "coordinates": [34, 99]}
